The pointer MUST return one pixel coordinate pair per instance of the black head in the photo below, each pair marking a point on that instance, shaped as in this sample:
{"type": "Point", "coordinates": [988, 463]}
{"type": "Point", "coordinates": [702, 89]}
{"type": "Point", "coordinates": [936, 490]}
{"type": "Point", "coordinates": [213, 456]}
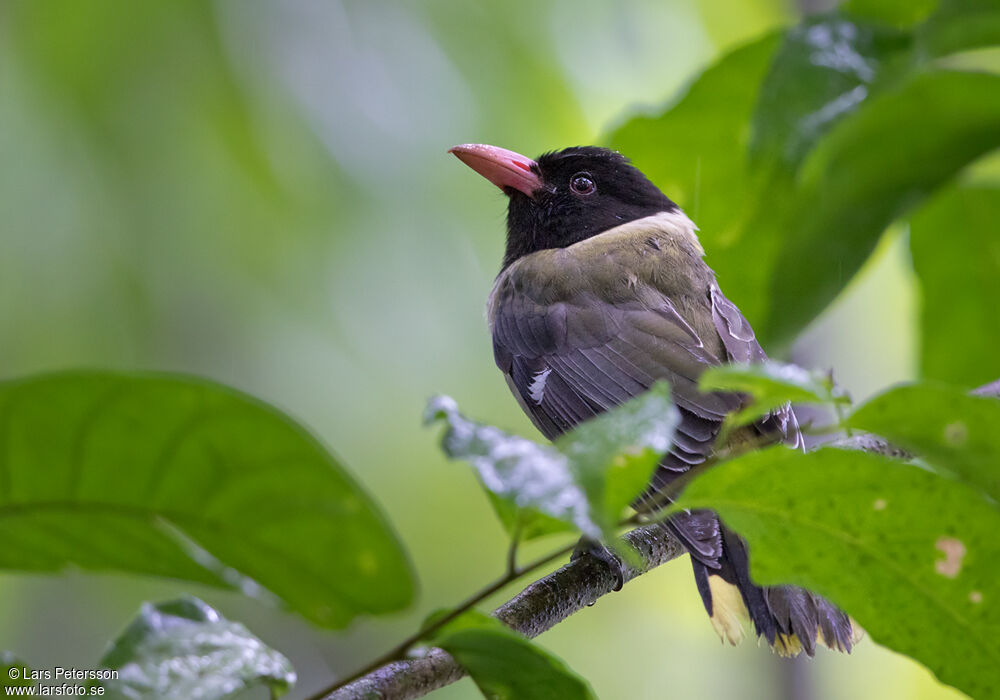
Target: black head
{"type": "Point", "coordinates": [565, 196]}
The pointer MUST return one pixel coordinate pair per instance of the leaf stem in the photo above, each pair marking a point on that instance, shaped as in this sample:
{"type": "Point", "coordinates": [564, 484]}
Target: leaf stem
{"type": "Point", "coordinates": [399, 651]}
{"type": "Point", "coordinates": [515, 541]}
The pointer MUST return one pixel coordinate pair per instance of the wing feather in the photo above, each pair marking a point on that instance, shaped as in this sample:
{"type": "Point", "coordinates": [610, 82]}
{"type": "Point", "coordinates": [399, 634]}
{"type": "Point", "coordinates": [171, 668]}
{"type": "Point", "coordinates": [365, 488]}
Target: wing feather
{"type": "Point", "coordinates": [741, 346]}
{"type": "Point", "coordinates": [597, 351]}
{"type": "Point", "coordinates": [597, 354]}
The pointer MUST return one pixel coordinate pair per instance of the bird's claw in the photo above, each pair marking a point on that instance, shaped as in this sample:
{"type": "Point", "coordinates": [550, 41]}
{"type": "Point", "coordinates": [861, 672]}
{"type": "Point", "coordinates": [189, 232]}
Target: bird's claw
{"type": "Point", "coordinates": [598, 551]}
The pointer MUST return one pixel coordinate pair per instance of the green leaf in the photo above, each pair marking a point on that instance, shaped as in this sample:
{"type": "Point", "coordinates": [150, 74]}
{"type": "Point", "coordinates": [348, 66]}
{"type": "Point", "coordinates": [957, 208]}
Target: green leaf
{"type": "Point", "coordinates": [944, 425]}
{"type": "Point", "coordinates": [586, 478]}
{"type": "Point", "coordinates": [186, 479]}
{"type": "Point", "coordinates": [900, 13]}
{"type": "Point", "coordinates": [772, 385]}
{"type": "Point", "coordinates": [506, 665]}
{"type": "Point", "coordinates": [912, 556]}
{"type": "Point", "coordinates": [184, 649]}
{"type": "Point", "coordinates": [13, 672]}
{"type": "Point", "coordinates": [521, 474]}
{"type": "Point", "coordinates": [956, 256]}
{"type": "Point", "coordinates": [825, 69]}
{"type": "Point", "coordinates": [872, 168]}
{"type": "Point", "coordinates": [960, 25]}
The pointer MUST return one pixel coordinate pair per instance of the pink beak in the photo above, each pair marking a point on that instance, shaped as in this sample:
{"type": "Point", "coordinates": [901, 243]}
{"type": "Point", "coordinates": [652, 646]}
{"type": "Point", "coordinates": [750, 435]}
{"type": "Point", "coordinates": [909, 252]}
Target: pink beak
{"type": "Point", "coordinates": [501, 167]}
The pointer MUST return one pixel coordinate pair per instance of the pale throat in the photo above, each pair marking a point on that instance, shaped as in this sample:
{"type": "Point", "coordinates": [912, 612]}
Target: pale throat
{"type": "Point", "coordinates": [675, 224]}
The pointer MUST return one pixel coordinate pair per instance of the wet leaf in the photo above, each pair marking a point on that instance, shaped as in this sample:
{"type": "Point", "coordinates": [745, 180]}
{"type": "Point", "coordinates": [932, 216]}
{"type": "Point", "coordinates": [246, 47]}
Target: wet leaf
{"type": "Point", "coordinates": [586, 478]}
{"type": "Point", "coordinates": [869, 170]}
{"type": "Point", "coordinates": [912, 556]}
{"type": "Point", "coordinates": [824, 70]}
{"type": "Point", "coordinates": [507, 666]}
{"type": "Point", "coordinates": [184, 649]}
{"type": "Point", "coordinates": [772, 385]}
{"type": "Point", "coordinates": [942, 424]}
{"type": "Point", "coordinates": [956, 256]}
{"type": "Point", "coordinates": [185, 479]}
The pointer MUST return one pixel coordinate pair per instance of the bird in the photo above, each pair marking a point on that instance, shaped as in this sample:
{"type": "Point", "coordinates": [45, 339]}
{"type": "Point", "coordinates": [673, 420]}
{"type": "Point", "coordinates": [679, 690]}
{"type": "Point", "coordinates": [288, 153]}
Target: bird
{"type": "Point", "coordinates": [603, 291]}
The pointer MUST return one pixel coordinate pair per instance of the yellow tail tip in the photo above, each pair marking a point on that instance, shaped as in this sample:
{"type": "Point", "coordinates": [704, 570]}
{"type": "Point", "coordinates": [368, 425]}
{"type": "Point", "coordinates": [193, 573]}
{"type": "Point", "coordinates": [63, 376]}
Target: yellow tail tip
{"type": "Point", "coordinates": [789, 645]}
{"type": "Point", "coordinates": [730, 618]}
{"type": "Point", "coordinates": [728, 610]}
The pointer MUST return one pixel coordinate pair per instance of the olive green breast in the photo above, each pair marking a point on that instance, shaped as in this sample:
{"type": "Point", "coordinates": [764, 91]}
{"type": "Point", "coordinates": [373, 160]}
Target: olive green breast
{"type": "Point", "coordinates": [640, 262]}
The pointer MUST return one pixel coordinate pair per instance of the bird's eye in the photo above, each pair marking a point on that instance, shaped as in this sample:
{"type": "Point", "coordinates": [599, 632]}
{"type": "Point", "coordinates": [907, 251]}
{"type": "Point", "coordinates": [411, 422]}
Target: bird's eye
{"type": "Point", "coordinates": [582, 183]}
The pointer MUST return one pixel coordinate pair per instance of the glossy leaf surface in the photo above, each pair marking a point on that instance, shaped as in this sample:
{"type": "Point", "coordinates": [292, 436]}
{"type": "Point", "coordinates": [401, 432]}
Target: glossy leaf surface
{"type": "Point", "coordinates": [182, 478]}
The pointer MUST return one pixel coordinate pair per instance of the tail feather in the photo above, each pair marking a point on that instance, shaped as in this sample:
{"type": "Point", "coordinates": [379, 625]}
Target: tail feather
{"type": "Point", "coordinates": [701, 533]}
{"type": "Point", "coordinates": [795, 614]}
{"type": "Point", "coordinates": [790, 618]}
{"type": "Point", "coordinates": [836, 635]}
{"type": "Point", "coordinates": [728, 610]}
{"type": "Point", "coordinates": [735, 570]}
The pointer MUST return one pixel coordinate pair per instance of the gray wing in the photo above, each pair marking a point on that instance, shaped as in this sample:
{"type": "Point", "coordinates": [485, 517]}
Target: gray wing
{"type": "Point", "coordinates": [570, 360]}
{"type": "Point", "coordinates": [741, 346]}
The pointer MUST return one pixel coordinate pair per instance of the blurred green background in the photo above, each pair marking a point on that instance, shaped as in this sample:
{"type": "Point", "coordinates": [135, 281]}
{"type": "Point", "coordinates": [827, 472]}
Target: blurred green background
{"type": "Point", "coordinates": [259, 192]}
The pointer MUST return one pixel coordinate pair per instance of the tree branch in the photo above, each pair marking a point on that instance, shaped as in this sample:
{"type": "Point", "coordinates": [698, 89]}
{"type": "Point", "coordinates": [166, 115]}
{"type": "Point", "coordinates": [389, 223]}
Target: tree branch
{"type": "Point", "coordinates": [552, 599]}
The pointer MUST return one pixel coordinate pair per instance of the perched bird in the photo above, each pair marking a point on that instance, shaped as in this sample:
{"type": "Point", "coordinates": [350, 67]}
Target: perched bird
{"type": "Point", "coordinates": [604, 291]}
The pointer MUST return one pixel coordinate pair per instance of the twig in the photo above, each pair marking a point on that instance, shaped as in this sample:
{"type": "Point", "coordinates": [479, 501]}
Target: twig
{"type": "Point", "coordinates": [515, 543]}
